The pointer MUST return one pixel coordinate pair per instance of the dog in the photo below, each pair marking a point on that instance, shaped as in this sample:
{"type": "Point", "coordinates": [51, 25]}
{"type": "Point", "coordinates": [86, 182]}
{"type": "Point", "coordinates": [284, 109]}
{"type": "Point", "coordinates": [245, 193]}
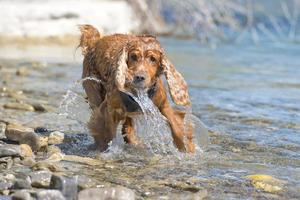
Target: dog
{"type": "Point", "coordinates": [125, 63]}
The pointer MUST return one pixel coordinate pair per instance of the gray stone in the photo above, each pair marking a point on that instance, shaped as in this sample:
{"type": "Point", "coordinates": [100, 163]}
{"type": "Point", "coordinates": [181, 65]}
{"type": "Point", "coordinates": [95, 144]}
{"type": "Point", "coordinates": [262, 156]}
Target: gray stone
{"type": "Point", "coordinates": [22, 184]}
{"type": "Point", "coordinates": [4, 185]}
{"type": "Point", "coordinates": [67, 186]}
{"type": "Point", "coordinates": [15, 132]}
{"type": "Point", "coordinates": [21, 195]}
{"type": "Point", "coordinates": [2, 130]}
{"type": "Point", "coordinates": [116, 193]}
{"type": "Point", "coordinates": [56, 137]}
{"type": "Point", "coordinates": [49, 195]}
{"type": "Point", "coordinates": [9, 150]}
{"type": "Point", "coordinates": [4, 197]}
{"type": "Point", "coordinates": [40, 179]}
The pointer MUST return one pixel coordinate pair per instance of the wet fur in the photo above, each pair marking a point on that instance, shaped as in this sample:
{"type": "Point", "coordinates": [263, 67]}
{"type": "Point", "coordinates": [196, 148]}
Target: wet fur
{"type": "Point", "coordinates": [106, 58]}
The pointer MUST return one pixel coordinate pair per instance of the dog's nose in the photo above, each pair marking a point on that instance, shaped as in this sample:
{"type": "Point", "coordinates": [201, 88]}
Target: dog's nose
{"type": "Point", "coordinates": [139, 78]}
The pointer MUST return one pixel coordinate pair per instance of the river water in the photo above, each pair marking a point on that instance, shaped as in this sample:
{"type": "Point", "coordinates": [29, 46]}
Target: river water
{"type": "Point", "coordinates": [247, 95]}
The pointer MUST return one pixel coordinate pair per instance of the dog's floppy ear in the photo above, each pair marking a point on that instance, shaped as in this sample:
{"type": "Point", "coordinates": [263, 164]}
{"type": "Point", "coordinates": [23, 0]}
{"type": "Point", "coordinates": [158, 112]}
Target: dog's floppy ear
{"type": "Point", "coordinates": [177, 85]}
{"type": "Point", "coordinates": [88, 38]}
{"type": "Point", "coordinates": [121, 69]}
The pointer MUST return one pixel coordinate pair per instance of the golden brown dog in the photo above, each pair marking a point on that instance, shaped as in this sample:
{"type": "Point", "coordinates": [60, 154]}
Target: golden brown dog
{"type": "Point", "coordinates": [126, 63]}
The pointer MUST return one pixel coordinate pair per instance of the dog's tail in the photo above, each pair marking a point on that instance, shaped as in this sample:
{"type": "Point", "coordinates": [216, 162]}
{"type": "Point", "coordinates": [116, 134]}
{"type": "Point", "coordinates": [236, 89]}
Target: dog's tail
{"type": "Point", "coordinates": [88, 38]}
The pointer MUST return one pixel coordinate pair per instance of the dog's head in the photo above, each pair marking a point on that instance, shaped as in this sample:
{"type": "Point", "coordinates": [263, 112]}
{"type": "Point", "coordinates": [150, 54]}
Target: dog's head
{"type": "Point", "coordinates": [139, 64]}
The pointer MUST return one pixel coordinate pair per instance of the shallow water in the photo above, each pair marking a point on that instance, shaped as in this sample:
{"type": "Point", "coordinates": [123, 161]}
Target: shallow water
{"type": "Point", "coordinates": [247, 95]}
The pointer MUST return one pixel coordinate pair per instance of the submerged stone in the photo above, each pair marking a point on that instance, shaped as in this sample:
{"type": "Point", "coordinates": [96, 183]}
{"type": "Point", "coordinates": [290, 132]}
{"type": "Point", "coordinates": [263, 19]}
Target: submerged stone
{"type": "Point", "coordinates": [266, 182]}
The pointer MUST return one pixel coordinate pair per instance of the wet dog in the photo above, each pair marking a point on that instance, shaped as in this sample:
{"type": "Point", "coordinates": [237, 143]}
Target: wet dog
{"type": "Point", "coordinates": [124, 64]}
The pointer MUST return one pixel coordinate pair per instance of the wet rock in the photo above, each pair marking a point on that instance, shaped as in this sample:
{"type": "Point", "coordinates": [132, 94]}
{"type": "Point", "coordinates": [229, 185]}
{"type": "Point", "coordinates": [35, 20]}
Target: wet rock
{"type": "Point", "coordinates": [56, 137]}
{"type": "Point", "coordinates": [5, 184]}
{"type": "Point", "coordinates": [6, 162]}
{"type": "Point", "coordinates": [44, 165]}
{"type": "Point", "coordinates": [117, 193]}
{"type": "Point", "coordinates": [85, 182]}
{"type": "Point", "coordinates": [15, 132]}
{"type": "Point", "coordinates": [2, 130]}
{"type": "Point", "coordinates": [67, 186]}
{"type": "Point", "coordinates": [49, 195]}
{"type": "Point", "coordinates": [22, 184]}
{"type": "Point", "coordinates": [56, 157]}
{"type": "Point", "coordinates": [35, 141]}
{"type": "Point", "coordinates": [26, 151]}
{"type": "Point", "coordinates": [40, 179]}
{"type": "Point", "coordinates": [19, 106]}
{"type": "Point", "coordinates": [266, 183]}
{"type": "Point", "coordinates": [9, 150]}
{"type": "Point", "coordinates": [83, 160]}
{"type": "Point", "coordinates": [21, 195]}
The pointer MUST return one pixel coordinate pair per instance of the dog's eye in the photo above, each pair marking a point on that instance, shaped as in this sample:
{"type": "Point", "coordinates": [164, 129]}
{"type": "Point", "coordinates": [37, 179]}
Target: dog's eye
{"type": "Point", "coordinates": [152, 59]}
{"type": "Point", "coordinates": [134, 57]}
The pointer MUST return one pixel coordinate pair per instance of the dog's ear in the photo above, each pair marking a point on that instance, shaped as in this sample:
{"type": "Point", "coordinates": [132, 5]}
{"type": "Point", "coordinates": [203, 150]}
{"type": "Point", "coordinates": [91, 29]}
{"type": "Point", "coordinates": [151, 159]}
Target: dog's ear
{"type": "Point", "coordinates": [121, 69]}
{"type": "Point", "coordinates": [88, 38]}
{"type": "Point", "coordinates": [177, 85]}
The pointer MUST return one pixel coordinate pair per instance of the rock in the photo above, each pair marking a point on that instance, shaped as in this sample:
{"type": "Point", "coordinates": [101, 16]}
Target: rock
{"type": "Point", "coordinates": [67, 186]}
{"type": "Point", "coordinates": [116, 193]}
{"type": "Point", "coordinates": [49, 195]}
{"type": "Point", "coordinates": [42, 107]}
{"type": "Point", "coordinates": [83, 160]}
{"type": "Point", "coordinates": [26, 151]}
{"type": "Point", "coordinates": [6, 162]}
{"type": "Point", "coordinates": [5, 197]}
{"type": "Point", "coordinates": [7, 150]}
{"type": "Point", "coordinates": [42, 165]}
{"type": "Point", "coordinates": [2, 130]}
{"type": "Point", "coordinates": [15, 132]}
{"type": "Point", "coordinates": [84, 182]}
{"type": "Point", "coordinates": [5, 184]}
{"type": "Point", "coordinates": [40, 179]}
{"type": "Point", "coordinates": [56, 157]}
{"type": "Point", "coordinates": [35, 141]}
{"type": "Point", "coordinates": [22, 71]}
{"type": "Point", "coordinates": [19, 106]}
{"type": "Point", "coordinates": [21, 195]}
{"type": "Point", "coordinates": [53, 149]}
{"type": "Point", "coordinates": [28, 161]}
{"type": "Point", "coordinates": [56, 137]}
{"type": "Point", "coordinates": [22, 184]}
{"type": "Point", "coordinates": [41, 130]}
{"type": "Point", "coordinates": [266, 183]}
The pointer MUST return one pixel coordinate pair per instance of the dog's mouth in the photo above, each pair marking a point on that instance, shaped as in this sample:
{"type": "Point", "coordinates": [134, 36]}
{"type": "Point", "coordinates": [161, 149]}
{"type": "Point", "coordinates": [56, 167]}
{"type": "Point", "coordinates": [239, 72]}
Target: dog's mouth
{"type": "Point", "coordinates": [130, 104]}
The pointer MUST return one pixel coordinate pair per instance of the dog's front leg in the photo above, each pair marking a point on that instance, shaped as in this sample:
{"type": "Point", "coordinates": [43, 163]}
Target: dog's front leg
{"type": "Point", "coordinates": [103, 125]}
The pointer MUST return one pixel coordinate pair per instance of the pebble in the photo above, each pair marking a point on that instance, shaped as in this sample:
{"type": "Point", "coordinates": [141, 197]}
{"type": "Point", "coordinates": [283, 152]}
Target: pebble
{"type": "Point", "coordinates": [5, 184]}
{"type": "Point", "coordinates": [67, 186]}
{"type": "Point", "coordinates": [19, 106]}
{"type": "Point", "coordinates": [2, 130]}
{"type": "Point", "coordinates": [116, 193]}
{"type": "Point", "coordinates": [35, 141]}
{"type": "Point", "coordinates": [15, 132]}
{"type": "Point", "coordinates": [56, 137]}
{"type": "Point", "coordinates": [49, 195]}
{"type": "Point", "coordinates": [9, 150]}
{"type": "Point", "coordinates": [266, 182]}
{"type": "Point", "coordinates": [26, 151]}
{"type": "Point", "coordinates": [28, 161]}
{"type": "Point", "coordinates": [40, 179]}
{"type": "Point", "coordinates": [51, 149]}
{"type": "Point", "coordinates": [84, 182]}
{"type": "Point", "coordinates": [21, 195]}
{"type": "Point", "coordinates": [44, 165]}
{"type": "Point", "coordinates": [22, 184]}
